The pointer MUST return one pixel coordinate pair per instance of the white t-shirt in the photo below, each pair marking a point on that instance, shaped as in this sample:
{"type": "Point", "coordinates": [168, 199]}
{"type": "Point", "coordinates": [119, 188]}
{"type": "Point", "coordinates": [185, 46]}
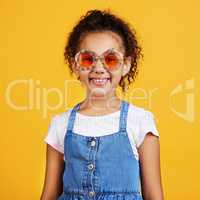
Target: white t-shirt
{"type": "Point", "coordinates": [139, 122]}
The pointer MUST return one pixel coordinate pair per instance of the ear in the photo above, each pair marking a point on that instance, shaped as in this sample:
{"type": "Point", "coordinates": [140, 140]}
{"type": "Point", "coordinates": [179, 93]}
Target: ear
{"type": "Point", "coordinates": [126, 66]}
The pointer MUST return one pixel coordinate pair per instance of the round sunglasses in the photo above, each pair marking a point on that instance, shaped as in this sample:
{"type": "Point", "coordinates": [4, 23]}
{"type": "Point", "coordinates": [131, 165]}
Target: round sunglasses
{"type": "Point", "coordinates": [112, 59]}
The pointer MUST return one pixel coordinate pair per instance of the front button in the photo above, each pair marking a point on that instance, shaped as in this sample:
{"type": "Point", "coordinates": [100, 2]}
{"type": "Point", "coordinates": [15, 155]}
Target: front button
{"type": "Point", "coordinates": [90, 166]}
{"type": "Point", "coordinates": [91, 193]}
{"type": "Point", "coordinates": [93, 143]}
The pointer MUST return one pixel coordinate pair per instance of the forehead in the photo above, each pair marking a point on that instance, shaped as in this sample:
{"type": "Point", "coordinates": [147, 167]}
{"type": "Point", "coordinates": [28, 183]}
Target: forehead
{"type": "Point", "coordinates": [101, 41]}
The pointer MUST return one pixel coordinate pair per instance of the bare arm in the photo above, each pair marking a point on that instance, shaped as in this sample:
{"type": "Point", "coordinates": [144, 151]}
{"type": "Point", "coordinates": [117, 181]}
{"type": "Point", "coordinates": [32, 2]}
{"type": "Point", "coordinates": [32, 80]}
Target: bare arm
{"type": "Point", "coordinates": [149, 153]}
{"type": "Point", "coordinates": [53, 177]}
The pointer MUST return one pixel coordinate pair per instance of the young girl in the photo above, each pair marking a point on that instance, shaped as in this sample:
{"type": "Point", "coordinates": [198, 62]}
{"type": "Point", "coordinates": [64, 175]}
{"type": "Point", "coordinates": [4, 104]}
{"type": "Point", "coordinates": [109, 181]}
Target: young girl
{"type": "Point", "coordinates": [104, 147]}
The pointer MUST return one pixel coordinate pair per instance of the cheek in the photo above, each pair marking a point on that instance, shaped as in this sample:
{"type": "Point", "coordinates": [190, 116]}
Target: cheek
{"type": "Point", "coordinates": [83, 76]}
{"type": "Point", "coordinates": [116, 81]}
{"type": "Point", "coordinates": [116, 77]}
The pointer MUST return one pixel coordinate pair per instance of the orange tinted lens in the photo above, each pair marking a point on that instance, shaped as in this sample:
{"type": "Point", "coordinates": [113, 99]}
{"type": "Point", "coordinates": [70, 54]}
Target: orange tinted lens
{"type": "Point", "coordinates": [112, 61]}
{"type": "Point", "coordinates": [85, 60]}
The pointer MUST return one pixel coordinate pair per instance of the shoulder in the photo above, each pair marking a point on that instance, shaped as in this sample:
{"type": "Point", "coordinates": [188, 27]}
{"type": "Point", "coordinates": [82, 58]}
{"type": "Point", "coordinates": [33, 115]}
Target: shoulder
{"type": "Point", "coordinates": [57, 130]}
{"type": "Point", "coordinates": [58, 123]}
{"type": "Point", "coordinates": [141, 121]}
{"type": "Point", "coordinates": [139, 113]}
{"type": "Point", "coordinates": [59, 120]}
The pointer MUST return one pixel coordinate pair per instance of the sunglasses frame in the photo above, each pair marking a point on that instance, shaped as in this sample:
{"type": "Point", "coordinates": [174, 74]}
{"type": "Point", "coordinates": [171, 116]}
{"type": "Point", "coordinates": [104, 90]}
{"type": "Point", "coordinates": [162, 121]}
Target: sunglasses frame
{"type": "Point", "coordinates": [101, 57]}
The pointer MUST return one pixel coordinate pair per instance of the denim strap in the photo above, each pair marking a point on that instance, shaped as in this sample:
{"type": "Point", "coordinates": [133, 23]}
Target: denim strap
{"type": "Point", "coordinates": [72, 117]}
{"type": "Point", "coordinates": [123, 116]}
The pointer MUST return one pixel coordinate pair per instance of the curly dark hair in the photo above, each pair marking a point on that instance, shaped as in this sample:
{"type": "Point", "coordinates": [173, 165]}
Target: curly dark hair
{"type": "Point", "coordinates": [99, 21]}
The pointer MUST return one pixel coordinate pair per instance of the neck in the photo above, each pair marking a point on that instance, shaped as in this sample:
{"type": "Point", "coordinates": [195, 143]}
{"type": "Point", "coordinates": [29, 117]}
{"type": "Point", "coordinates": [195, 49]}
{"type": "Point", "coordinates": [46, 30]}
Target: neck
{"type": "Point", "coordinates": [105, 102]}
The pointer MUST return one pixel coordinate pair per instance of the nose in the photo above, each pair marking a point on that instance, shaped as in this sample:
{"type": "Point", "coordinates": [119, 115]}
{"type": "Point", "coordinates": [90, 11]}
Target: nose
{"type": "Point", "coordinates": [99, 67]}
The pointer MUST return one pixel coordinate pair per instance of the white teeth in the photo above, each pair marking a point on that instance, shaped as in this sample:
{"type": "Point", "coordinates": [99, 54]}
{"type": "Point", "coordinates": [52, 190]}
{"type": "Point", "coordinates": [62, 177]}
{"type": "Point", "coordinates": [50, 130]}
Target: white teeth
{"type": "Point", "coordinates": [99, 80]}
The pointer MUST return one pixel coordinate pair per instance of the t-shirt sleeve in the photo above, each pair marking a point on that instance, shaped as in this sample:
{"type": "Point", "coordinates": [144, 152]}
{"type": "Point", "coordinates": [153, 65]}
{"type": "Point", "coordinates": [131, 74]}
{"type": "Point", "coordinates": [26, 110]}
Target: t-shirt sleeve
{"type": "Point", "coordinates": [147, 124]}
{"type": "Point", "coordinates": [52, 137]}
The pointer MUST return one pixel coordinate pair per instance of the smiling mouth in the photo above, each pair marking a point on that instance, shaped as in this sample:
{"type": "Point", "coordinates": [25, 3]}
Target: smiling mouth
{"type": "Point", "coordinates": [99, 81]}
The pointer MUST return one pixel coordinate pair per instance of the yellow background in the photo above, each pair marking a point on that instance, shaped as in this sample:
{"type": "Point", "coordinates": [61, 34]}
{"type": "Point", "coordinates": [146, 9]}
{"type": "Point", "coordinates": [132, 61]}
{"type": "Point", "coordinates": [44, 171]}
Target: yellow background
{"type": "Point", "coordinates": [33, 35]}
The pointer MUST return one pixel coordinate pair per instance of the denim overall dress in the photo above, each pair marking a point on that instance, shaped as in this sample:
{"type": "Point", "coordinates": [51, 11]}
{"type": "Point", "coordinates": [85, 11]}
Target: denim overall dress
{"type": "Point", "coordinates": [100, 167]}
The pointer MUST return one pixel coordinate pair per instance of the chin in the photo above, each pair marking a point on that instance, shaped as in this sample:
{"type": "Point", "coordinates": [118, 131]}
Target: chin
{"type": "Point", "coordinates": [98, 92]}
